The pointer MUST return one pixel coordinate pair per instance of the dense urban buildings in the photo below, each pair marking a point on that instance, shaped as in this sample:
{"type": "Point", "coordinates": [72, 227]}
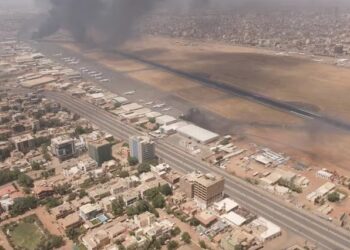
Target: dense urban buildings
{"type": "Point", "coordinates": [106, 151]}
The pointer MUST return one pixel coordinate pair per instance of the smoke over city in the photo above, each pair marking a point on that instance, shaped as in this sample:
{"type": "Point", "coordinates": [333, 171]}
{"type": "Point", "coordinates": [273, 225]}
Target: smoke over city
{"type": "Point", "coordinates": [103, 22]}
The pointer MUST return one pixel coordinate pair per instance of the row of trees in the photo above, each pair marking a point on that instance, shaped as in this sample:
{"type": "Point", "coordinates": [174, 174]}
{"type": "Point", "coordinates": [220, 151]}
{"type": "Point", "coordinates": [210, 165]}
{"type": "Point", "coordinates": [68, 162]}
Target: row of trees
{"type": "Point", "coordinates": [23, 204]}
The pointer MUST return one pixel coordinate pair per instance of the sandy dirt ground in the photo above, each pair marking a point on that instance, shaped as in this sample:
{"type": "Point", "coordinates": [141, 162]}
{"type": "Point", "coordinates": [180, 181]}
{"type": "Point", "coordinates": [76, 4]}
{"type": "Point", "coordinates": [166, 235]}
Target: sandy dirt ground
{"type": "Point", "coordinates": [317, 87]}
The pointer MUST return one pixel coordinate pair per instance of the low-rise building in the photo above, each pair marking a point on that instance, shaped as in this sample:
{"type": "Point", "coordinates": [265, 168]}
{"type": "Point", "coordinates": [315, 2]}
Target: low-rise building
{"type": "Point", "coordinates": [145, 219]}
{"type": "Point", "coordinates": [89, 211]}
{"type": "Point", "coordinates": [71, 221]}
{"type": "Point", "coordinates": [62, 211]}
{"type": "Point", "coordinates": [43, 190]}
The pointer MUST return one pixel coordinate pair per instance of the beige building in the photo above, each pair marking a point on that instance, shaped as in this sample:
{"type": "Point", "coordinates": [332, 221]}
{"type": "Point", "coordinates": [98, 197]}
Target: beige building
{"type": "Point", "coordinates": [24, 143]}
{"type": "Point", "coordinates": [204, 188]}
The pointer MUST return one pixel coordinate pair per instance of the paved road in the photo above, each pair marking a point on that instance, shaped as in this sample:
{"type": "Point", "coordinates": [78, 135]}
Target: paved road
{"type": "Point", "coordinates": [324, 234]}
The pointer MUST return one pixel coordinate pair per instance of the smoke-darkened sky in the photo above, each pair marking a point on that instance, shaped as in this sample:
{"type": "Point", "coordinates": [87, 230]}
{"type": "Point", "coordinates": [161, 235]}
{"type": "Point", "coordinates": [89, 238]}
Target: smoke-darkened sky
{"type": "Point", "coordinates": [105, 22]}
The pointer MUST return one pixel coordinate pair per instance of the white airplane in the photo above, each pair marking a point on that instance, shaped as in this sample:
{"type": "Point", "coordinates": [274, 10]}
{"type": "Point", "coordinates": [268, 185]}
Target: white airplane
{"type": "Point", "coordinates": [130, 92]}
{"type": "Point", "coordinates": [159, 105]}
{"type": "Point", "coordinates": [104, 80]}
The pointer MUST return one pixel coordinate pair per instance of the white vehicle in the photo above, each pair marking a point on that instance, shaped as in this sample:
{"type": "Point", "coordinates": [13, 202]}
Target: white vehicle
{"type": "Point", "coordinates": [130, 92]}
{"type": "Point", "coordinates": [104, 80]}
{"type": "Point", "coordinates": [92, 72]}
{"type": "Point", "coordinates": [148, 103]}
{"type": "Point", "coordinates": [98, 77]}
{"type": "Point", "coordinates": [98, 74]}
{"type": "Point", "coordinates": [166, 109]}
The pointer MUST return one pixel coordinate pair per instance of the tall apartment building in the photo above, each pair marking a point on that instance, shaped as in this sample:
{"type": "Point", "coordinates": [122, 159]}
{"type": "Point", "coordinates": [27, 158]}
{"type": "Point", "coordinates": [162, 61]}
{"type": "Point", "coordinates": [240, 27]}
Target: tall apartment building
{"type": "Point", "coordinates": [142, 148]}
{"type": "Point", "coordinates": [63, 147]}
{"type": "Point", "coordinates": [204, 188]}
{"type": "Point", "coordinates": [100, 151]}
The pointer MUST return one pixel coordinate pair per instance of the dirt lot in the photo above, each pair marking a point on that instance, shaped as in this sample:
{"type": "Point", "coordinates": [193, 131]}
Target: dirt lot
{"type": "Point", "coordinates": [301, 81]}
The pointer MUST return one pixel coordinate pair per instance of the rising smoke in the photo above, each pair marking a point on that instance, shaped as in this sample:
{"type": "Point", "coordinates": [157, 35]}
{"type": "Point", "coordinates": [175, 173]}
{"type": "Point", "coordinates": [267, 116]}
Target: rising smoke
{"type": "Point", "coordinates": [100, 22]}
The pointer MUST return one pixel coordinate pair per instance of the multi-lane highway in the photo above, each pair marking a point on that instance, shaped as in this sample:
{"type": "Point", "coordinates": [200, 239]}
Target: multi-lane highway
{"type": "Point", "coordinates": [323, 233]}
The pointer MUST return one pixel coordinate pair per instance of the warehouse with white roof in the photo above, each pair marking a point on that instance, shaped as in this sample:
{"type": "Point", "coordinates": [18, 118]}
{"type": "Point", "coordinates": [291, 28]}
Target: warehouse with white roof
{"type": "Point", "coordinates": [198, 134]}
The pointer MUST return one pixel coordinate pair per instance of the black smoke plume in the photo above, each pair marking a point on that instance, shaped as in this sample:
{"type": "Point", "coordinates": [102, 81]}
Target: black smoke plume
{"type": "Point", "coordinates": [103, 22]}
{"type": "Point", "coordinates": [98, 21]}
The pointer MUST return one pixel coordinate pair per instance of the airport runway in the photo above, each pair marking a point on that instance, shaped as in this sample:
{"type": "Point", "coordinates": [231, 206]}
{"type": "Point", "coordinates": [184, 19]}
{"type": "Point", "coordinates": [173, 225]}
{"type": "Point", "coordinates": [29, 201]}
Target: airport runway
{"type": "Point", "coordinates": [324, 234]}
{"type": "Point", "coordinates": [246, 94]}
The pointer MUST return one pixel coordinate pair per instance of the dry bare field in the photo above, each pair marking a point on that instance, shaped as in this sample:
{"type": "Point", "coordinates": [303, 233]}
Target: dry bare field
{"type": "Point", "coordinates": [317, 87]}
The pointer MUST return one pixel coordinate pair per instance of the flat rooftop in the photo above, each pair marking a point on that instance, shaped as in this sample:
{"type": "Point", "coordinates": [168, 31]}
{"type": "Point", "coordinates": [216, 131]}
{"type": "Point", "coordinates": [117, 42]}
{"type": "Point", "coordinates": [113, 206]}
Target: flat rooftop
{"type": "Point", "coordinates": [37, 82]}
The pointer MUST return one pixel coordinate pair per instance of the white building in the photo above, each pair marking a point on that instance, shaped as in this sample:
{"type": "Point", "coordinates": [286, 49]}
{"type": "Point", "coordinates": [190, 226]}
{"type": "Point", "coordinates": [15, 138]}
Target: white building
{"type": "Point", "coordinates": [63, 147]}
{"type": "Point", "coordinates": [198, 134]}
{"type": "Point", "coordinates": [142, 148]}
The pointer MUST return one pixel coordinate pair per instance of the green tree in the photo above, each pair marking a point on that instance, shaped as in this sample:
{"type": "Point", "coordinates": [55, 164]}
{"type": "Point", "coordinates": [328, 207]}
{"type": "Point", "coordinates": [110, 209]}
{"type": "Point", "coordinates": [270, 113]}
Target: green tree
{"type": "Point", "coordinates": [82, 193]}
{"type": "Point", "coordinates": [202, 244]}
{"type": "Point", "coordinates": [194, 222]}
{"type": "Point", "coordinates": [23, 204]}
{"type": "Point", "coordinates": [143, 206]}
{"type": "Point", "coordinates": [46, 174]}
{"type": "Point", "coordinates": [72, 196]}
{"type": "Point", "coordinates": [35, 165]}
{"type": "Point", "coordinates": [238, 247]}
{"type": "Point", "coordinates": [158, 201]}
{"type": "Point", "coordinates": [152, 120]}
{"type": "Point", "coordinates": [47, 156]}
{"type": "Point", "coordinates": [80, 130]}
{"type": "Point", "coordinates": [51, 242]}
{"type": "Point", "coordinates": [25, 181]}
{"type": "Point", "coordinates": [123, 174]}
{"type": "Point", "coordinates": [7, 176]}
{"type": "Point", "coordinates": [166, 190]}
{"type": "Point", "coordinates": [51, 202]}
{"type": "Point", "coordinates": [118, 206]}
{"type": "Point", "coordinates": [133, 161]}
{"type": "Point", "coordinates": [172, 245]}
{"type": "Point", "coordinates": [151, 193]}
{"type": "Point", "coordinates": [185, 237]}
{"type": "Point", "coordinates": [175, 232]}
{"type": "Point", "coordinates": [333, 197]}
{"type": "Point", "coordinates": [63, 189]}
{"type": "Point", "coordinates": [143, 168]}
{"type": "Point", "coordinates": [73, 233]}
{"type": "Point", "coordinates": [131, 211]}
